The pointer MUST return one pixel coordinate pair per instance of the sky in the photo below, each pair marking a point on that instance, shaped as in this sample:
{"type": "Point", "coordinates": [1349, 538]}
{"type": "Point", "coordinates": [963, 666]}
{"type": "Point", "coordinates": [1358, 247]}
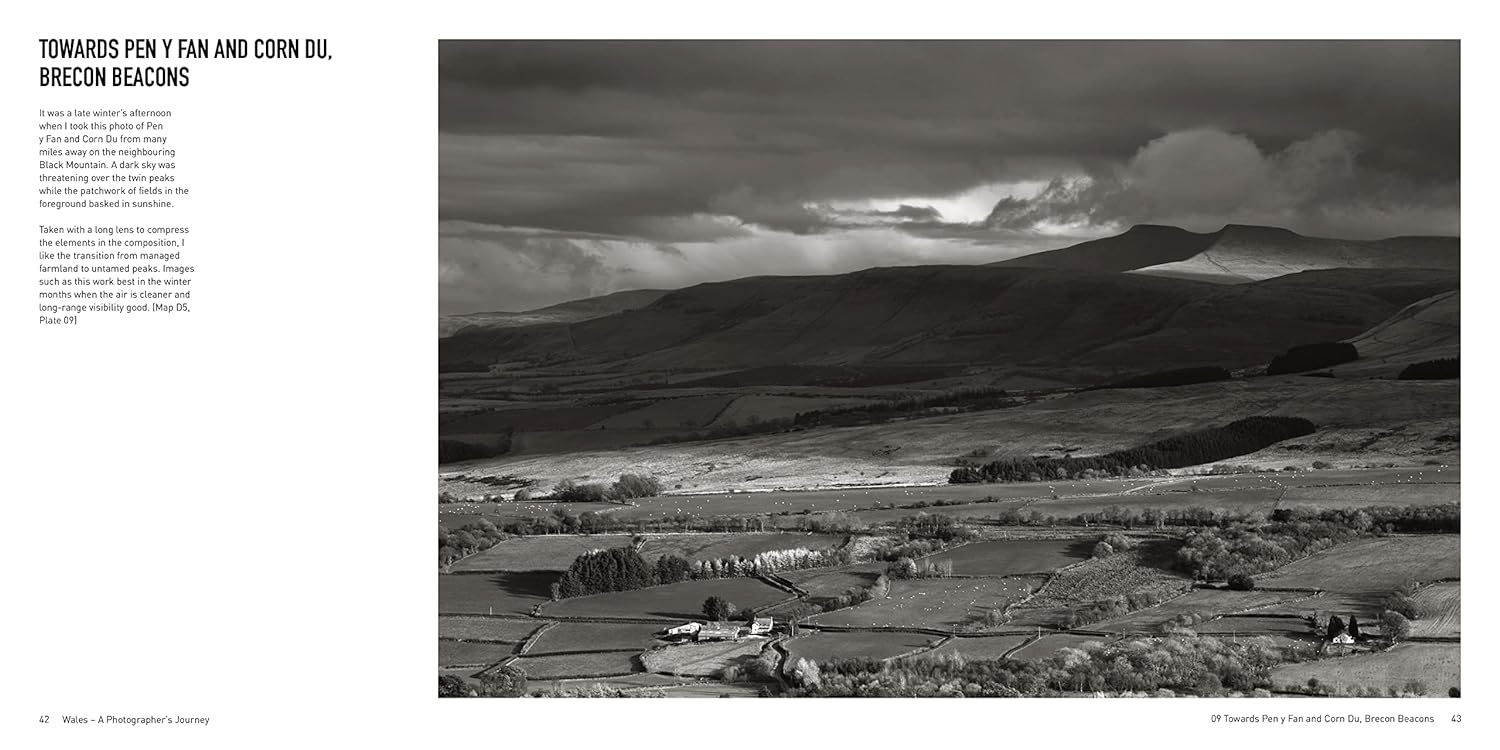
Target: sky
{"type": "Point", "coordinates": [577, 168]}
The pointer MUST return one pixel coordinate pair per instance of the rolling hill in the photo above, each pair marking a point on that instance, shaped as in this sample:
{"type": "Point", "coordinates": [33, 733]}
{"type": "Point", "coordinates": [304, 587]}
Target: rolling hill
{"type": "Point", "coordinates": [1425, 330]}
{"type": "Point", "coordinates": [1072, 324]}
{"type": "Point", "coordinates": [1240, 253]}
{"type": "Point", "coordinates": [563, 312]}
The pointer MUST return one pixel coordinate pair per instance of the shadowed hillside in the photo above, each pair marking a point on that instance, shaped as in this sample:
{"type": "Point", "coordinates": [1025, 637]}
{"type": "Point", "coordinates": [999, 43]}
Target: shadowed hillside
{"type": "Point", "coordinates": [1071, 323]}
{"type": "Point", "coordinates": [563, 312]}
{"type": "Point", "coordinates": [1422, 331]}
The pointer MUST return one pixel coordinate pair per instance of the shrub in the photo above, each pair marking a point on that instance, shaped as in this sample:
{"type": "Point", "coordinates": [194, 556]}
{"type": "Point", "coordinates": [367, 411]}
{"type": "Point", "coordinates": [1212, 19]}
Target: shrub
{"type": "Point", "coordinates": [632, 486]}
{"type": "Point", "coordinates": [1395, 626]}
{"type": "Point", "coordinates": [1241, 582]}
{"type": "Point", "coordinates": [717, 608]}
{"type": "Point", "coordinates": [568, 491]}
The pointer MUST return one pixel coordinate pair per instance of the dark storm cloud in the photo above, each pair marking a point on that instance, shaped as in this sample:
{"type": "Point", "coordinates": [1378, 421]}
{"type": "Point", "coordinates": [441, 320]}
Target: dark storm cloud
{"type": "Point", "coordinates": [684, 142]}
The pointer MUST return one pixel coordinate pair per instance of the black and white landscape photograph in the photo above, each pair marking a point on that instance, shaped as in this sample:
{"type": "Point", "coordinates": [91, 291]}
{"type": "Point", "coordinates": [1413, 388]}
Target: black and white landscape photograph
{"type": "Point", "coordinates": [948, 368]}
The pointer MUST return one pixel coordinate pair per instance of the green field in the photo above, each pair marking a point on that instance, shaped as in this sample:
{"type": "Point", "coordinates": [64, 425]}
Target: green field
{"type": "Point", "coordinates": [486, 628]}
{"type": "Point", "coordinates": [1438, 610]}
{"type": "Point", "coordinates": [553, 552]}
{"type": "Point", "coordinates": [988, 647]}
{"type": "Point", "coordinates": [827, 582]}
{"type": "Point", "coordinates": [943, 603]}
{"type": "Point", "coordinates": [705, 659]}
{"type": "Point", "coordinates": [1434, 664]}
{"type": "Point", "coordinates": [493, 593]}
{"type": "Point", "coordinates": [829, 646]}
{"type": "Point", "coordinates": [1374, 566]}
{"type": "Point", "coordinates": [1015, 557]}
{"type": "Point", "coordinates": [1204, 602]}
{"type": "Point", "coordinates": [467, 653]}
{"type": "Point", "coordinates": [577, 665]}
{"type": "Point", "coordinates": [1281, 630]}
{"type": "Point", "coordinates": [588, 636]}
{"type": "Point", "coordinates": [676, 601]}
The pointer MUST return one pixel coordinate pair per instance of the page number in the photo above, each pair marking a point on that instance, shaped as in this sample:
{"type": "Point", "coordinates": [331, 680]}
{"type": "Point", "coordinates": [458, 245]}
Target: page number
{"type": "Point", "coordinates": [1457, 719]}
{"type": "Point", "coordinates": [43, 719]}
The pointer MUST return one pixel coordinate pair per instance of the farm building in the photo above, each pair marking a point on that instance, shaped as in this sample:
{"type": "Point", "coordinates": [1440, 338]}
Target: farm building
{"type": "Point", "coordinates": [687, 628]}
{"type": "Point", "coordinates": [719, 631]}
{"type": "Point", "coordinates": [1342, 643]}
{"type": "Point", "coordinates": [761, 625]}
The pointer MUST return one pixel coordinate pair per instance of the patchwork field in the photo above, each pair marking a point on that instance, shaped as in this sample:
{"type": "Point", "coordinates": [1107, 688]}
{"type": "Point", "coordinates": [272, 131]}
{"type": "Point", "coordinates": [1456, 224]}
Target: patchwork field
{"type": "Point", "coordinates": [676, 601]}
{"type": "Point", "coordinates": [1436, 665]}
{"type": "Point", "coordinates": [589, 636]}
{"type": "Point", "coordinates": [1018, 557]}
{"type": "Point", "coordinates": [943, 603]}
{"type": "Point", "coordinates": [829, 646]}
{"type": "Point", "coordinates": [1372, 565]}
{"type": "Point", "coordinates": [469, 653]}
{"type": "Point", "coordinates": [558, 666]}
{"type": "Point", "coordinates": [701, 659]}
{"type": "Point", "coordinates": [493, 593]}
{"type": "Point", "coordinates": [486, 628]}
{"type": "Point", "coordinates": [1438, 606]}
{"type": "Point", "coordinates": [557, 551]}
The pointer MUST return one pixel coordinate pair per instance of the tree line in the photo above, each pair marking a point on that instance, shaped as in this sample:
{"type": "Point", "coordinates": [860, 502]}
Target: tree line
{"type": "Point", "coordinates": [1171, 378]}
{"type": "Point", "coordinates": [1312, 357]}
{"type": "Point", "coordinates": [1164, 666]}
{"type": "Point", "coordinates": [1432, 369]}
{"type": "Point", "coordinates": [1189, 449]}
{"type": "Point", "coordinates": [625, 569]}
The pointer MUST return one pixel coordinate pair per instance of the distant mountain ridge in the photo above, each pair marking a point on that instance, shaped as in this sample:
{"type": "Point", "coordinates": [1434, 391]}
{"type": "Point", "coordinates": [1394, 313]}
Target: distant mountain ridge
{"type": "Point", "coordinates": [1239, 253]}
